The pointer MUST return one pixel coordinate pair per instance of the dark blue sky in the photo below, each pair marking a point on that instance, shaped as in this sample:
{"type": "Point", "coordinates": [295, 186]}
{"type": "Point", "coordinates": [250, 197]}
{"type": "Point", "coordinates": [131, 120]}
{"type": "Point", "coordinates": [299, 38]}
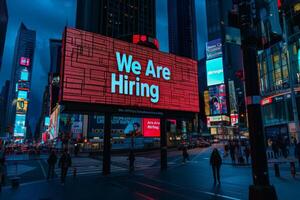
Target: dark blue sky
{"type": "Point", "coordinates": [48, 18]}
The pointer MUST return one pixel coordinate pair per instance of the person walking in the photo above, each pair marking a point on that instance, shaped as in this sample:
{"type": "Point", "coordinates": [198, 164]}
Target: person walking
{"type": "Point", "coordinates": [185, 154]}
{"type": "Point", "coordinates": [247, 153]}
{"type": "Point", "coordinates": [52, 159]}
{"type": "Point", "coordinates": [216, 162]}
{"type": "Point", "coordinates": [131, 159]}
{"type": "Point", "coordinates": [64, 163]}
{"type": "Point", "coordinates": [297, 152]}
{"type": "Point", "coordinates": [232, 152]}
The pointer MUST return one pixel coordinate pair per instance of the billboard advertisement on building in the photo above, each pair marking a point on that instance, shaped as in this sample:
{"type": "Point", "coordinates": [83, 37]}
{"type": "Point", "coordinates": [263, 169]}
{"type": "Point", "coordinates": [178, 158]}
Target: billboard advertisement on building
{"type": "Point", "coordinates": [213, 49]}
{"type": "Point", "coordinates": [102, 70]}
{"type": "Point", "coordinates": [217, 96]}
{"type": "Point", "coordinates": [214, 71]}
{"type": "Point", "coordinates": [151, 127]}
{"type": "Point", "coordinates": [20, 128]}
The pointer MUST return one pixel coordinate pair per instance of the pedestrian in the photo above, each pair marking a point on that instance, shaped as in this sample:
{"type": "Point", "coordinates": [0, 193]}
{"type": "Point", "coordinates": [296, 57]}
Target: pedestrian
{"type": "Point", "coordinates": [131, 159]}
{"type": "Point", "coordinates": [232, 152]}
{"type": "Point", "coordinates": [275, 149]}
{"type": "Point", "coordinates": [297, 152]}
{"type": "Point", "coordinates": [185, 154]}
{"type": "Point", "coordinates": [216, 162]}
{"type": "Point", "coordinates": [76, 149]}
{"type": "Point", "coordinates": [247, 153]}
{"type": "Point", "coordinates": [64, 163]}
{"type": "Point", "coordinates": [52, 159]}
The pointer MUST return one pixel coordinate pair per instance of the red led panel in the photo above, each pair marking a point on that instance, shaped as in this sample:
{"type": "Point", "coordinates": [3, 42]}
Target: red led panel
{"type": "Point", "coordinates": [151, 127]}
{"type": "Point", "coordinates": [90, 60]}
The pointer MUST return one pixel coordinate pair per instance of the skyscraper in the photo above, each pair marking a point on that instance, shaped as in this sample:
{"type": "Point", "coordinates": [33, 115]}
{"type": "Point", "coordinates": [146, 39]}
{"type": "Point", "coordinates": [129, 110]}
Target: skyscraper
{"type": "Point", "coordinates": [117, 19]}
{"type": "Point", "coordinates": [3, 105]}
{"type": "Point", "coordinates": [3, 27]}
{"type": "Point", "coordinates": [19, 92]}
{"type": "Point", "coordinates": [182, 28]}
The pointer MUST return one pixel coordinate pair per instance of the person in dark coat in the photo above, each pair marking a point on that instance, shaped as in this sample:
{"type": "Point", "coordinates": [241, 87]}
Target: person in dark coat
{"type": "Point", "coordinates": [232, 152]}
{"type": "Point", "coordinates": [185, 154]}
{"type": "Point", "coordinates": [216, 162]}
{"type": "Point", "coordinates": [51, 164]}
{"type": "Point", "coordinates": [131, 159]}
{"type": "Point", "coordinates": [64, 163]}
{"type": "Point", "coordinates": [247, 153]}
{"type": "Point", "coordinates": [297, 152]}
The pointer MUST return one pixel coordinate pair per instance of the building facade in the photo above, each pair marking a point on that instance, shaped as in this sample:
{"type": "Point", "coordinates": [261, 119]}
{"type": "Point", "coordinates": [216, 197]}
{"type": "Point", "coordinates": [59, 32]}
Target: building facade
{"type": "Point", "coordinates": [19, 92]}
{"type": "Point", "coordinates": [182, 28]}
{"type": "Point", "coordinates": [223, 99]}
{"type": "Point", "coordinates": [117, 19]}
{"type": "Point", "coordinates": [3, 106]}
{"type": "Point", "coordinates": [279, 69]}
{"type": "Point", "coordinates": [3, 27]}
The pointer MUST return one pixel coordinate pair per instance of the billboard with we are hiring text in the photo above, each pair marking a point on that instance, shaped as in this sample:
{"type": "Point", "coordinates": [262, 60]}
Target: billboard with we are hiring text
{"type": "Point", "coordinates": [100, 70]}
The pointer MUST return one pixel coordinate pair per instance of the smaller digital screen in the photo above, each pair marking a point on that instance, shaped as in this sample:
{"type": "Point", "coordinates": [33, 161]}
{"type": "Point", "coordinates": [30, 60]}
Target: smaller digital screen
{"type": "Point", "coordinates": [22, 106]}
{"type": "Point", "coordinates": [24, 61]}
{"type": "Point", "coordinates": [24, 75]}
{"type": "Point", "coordinates": [214, 71]}
{"type": "Point", "coordinates": [22, 94]}
{"type": "Point", "coordinates": [20, 129]}
{"type": "Point", "coordinates": [151, 127]}
{"type": "Point", "coordinates": [217, 98]}
{"type": "Point", "coordinates": [47, 121]}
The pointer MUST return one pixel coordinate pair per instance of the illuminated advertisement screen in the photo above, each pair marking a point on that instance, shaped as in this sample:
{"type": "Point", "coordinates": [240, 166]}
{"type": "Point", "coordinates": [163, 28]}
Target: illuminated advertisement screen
{"type": "Point", "coordinates": [24, 75]}
{"type": "Point", "coordinates": [20, 128]}
{"type": "Point", "coordinates": [213, 49]}
{"type": "Point", "coordinates": [214, 71]}
{"type": "Point", "coordinates": [102, 70]}
{"type": "Point", "coordinates": [217, 98]}
{"type": "Point", "coordinates": [24, 61]}
{"type": "Point", "coordinates": [151, 127]}
{"type": "Point", "coordinates": [47, 121]}
{"type": "Point", "coordinates": [21, 106]}
{"type": "Point", "coordinates": [22, 94]}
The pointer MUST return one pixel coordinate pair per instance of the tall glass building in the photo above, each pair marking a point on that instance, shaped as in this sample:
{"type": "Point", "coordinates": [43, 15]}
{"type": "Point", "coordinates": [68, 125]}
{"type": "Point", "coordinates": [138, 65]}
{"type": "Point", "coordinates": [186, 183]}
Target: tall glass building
{"type": "Point", "coordinates": [19, 92]}
{"type": "Point", "coordinates": [279, 71]}
{"type": "Point", "coordinates": [3, 26]}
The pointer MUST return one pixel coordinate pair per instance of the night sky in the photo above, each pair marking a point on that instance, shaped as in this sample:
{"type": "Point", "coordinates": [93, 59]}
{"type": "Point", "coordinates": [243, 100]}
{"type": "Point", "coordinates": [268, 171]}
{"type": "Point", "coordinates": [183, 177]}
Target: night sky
{"type": "Point", "coordinates": [48, 18]}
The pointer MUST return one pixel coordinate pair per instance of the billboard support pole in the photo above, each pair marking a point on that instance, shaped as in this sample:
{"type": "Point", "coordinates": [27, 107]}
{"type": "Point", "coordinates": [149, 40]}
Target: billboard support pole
{"type": "Point", "coordinates": [107, 144]}
{"type": "Point", "coordinates": [163, 144]}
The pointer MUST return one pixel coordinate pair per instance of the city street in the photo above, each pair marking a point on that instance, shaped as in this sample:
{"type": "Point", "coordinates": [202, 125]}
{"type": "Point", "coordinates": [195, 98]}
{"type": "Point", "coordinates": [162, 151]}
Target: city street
{"type": "Point", "coordinates": [192, 180]}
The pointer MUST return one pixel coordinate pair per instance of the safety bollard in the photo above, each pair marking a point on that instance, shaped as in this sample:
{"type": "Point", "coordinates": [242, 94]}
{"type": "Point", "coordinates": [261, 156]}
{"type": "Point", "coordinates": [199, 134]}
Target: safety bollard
{"type": "Point", "coordinates": [276, 167]}
{"type": "Point", "coordinates": [74, 172]}
{"type": "Point", "coordinates": [293, 169]}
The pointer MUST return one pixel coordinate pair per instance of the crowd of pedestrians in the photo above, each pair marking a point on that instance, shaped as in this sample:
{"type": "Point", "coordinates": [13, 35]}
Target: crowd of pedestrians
{"type": "Point", "coordinates": [239, 152]}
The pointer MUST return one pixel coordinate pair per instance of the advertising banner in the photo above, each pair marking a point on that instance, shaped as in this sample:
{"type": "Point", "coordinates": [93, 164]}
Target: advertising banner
{"type": "Point", "coordinates": [213, 49]}
{"type": "Point", "coordinates": [151, 127]}
{"type": "Point", "coordinates": [102, 70]}
{"type": "Point", "coordinates": [22, 105]}
{"type": "Point", "coordinates": [214, 71]}
{"type": "Point", "coordinates": [217, 98]}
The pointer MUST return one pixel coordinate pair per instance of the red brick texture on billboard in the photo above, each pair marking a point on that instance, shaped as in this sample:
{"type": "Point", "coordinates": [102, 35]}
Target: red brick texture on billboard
{"type": "Point", "coordinates": [102, 70]}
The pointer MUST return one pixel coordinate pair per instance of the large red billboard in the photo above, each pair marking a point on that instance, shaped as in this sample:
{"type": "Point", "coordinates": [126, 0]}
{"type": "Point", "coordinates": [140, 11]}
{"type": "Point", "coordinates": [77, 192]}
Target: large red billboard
{"type": "Point", "coordinates": [100, 70]}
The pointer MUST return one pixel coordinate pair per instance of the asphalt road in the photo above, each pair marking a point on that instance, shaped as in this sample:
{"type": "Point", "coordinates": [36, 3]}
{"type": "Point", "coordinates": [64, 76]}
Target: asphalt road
{"type": "Point", "coordinates": [192, 180]}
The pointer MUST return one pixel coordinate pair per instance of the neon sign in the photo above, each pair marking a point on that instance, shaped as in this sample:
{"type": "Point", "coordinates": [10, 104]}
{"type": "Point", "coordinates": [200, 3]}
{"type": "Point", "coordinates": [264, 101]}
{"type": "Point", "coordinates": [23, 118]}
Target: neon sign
{"type": "Point", "coordinates": [24, 61]}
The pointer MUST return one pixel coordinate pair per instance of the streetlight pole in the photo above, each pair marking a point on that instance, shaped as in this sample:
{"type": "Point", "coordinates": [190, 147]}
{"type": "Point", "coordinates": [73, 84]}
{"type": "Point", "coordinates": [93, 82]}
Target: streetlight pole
{"type": "Point", "coordinates": [249, 20]}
